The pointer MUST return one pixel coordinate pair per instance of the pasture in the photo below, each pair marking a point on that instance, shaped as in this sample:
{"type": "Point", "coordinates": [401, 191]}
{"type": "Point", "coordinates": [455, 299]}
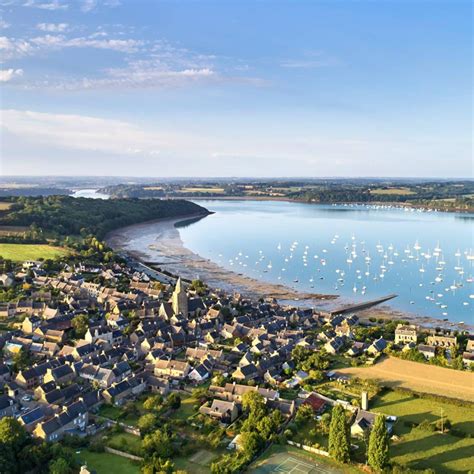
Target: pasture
{"type": "Point", "coordinates": [419, 377]}
{"type": "Point", "coordinates": [22, 252]}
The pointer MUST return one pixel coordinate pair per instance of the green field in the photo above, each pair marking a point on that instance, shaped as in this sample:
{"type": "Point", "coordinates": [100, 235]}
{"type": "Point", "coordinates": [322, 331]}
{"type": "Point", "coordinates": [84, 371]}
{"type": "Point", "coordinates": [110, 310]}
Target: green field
{"type": "Point", "coordinates": [126, 442]}
{"type": "Point", "coordinates": [420, 449]}
{"type": "Point", "coordinates": [186, 409]}
{"type": "Point", "coordinates": [198, 463]}
{"type": "Point", "coordinates": [105, 463]}
{"type": "Point", "coordinates": [22, 252]}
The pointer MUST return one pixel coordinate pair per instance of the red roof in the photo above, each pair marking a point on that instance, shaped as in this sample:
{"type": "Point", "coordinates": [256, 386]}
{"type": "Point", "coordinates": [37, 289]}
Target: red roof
{"type": "Point", "coordinates": [316, 403]}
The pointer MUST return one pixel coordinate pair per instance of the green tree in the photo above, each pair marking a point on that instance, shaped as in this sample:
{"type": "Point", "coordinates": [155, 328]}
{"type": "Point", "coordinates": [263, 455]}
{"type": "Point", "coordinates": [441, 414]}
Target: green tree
{"type": "Point", "coordinates": [13, 438]}
{"type": "Point", "coordinates": [253, 402]}
{"type": "Point", "coordinates": [157, 444]}
{"type": "Point", "coordinates": [80, 324]}
{"type": "Point", "coordinates": [59, 466]}
{"type": "Point", "coordinates": [339, 442]}
{"type": "Point", "coordinates": [157, 465]}
{"type": "Point", "coordinates": [147, 423]}
{"type": "Point", "coordinates": [174, 400]}
{"type": "Point", "coordinates": [153, 402]}
{"type": "Point", "coordinates": [377, 453]}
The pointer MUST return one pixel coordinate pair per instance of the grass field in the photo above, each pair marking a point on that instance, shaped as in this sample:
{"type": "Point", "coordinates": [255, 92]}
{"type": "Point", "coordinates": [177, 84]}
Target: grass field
{"type": "Point", "coordinates": [416, 409]}
{"type": "Point", "coordinates": [393, 191]}
{"type": "Point", "coordinates": [202, 190]}
{"type": "Point", "coordinates": [186, 409]}
{"type": "Point", "coordinates": [105, 463]}
{"type": "Point", "coordinates": [126, 442]}
{"type": "Point", "coordinates": [22, 252]}
{"type": "Point", "coordinates": [419, 449]}
{"type": "Point", "coordinates": [198, 463]}
{"type": "Point", "coordinates": [419, 377]}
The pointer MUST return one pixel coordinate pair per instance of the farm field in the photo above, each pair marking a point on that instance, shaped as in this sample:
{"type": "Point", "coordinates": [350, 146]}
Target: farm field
{"type": "Point", "coordinates": [202, 190]}
{"type": "Point", "coordinates": [393, 191]}
{"type": "Point", "coordinates": [20, 252]}
{"type": "Point", "coordinates": [104, 463]}
{"type": "Point", "coordinates": [4, 206]}
{"type": "Point", "coordinates": [12, 230]}
{"type": "Point", "coordinates": [418, 377]}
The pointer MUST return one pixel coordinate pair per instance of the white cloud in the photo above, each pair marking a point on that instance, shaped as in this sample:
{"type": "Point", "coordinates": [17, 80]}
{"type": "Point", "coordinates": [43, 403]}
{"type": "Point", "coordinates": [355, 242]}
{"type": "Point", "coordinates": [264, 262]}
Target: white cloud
{"type": "Point", "coordinates": [51, 5]}
{"type": "Point", "coordinates": [4, 25]}
{"type": "Point", "coordinates": [7, 75]}
{"type": "Point", "coordinates": [52, 27]}
{"type": "Point", "coordinates": [11, 48]}
{"type": "Point", "coordinates": [81, 132]}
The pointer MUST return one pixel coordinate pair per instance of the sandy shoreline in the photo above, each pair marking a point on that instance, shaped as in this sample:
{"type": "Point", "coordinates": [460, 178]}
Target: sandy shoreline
{"type": "Point", "coordinates": [159, 245]}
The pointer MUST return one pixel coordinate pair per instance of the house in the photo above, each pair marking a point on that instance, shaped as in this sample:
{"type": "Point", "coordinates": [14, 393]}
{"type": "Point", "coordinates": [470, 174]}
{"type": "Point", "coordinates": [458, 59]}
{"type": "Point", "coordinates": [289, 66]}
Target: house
{"type": "Point", "coordinates": [317, 403]}
{"type": "Point", "coordinates": [363, 422]}
{"type": "Point", "coordinates": [334, 345]}
{"type": "Point", "coordinates": [404, 334]}
{"type": "Point", "coordinates": [468, 358]}
{"type": "Point", "coordinates": [221, 410]}
{"type": "Point", "coordinates": [427, 351]}
{"type": "Point", "coordinates": [172, 368]}
{"type": "Point", "coordinates": [31, 418]}
{"type": "Point", "coordinates": [118, 393]}
{"type": "Point", "coordinates": [246, 372]}
{"type": "Point", "coordinates": [377, 347]}
{"type": "Point", "coordinates": [60, 375]}
{"type": "Point", "coordinates": [72, 419]}
{"type": "Point", "coordinates": [356, 349]}
{"type": "Point", "coordinates": [7, 406]}
{"type": "Point", "coordinates": [202, 371]}
{"type": "Point", "coordinates": [442, 341]}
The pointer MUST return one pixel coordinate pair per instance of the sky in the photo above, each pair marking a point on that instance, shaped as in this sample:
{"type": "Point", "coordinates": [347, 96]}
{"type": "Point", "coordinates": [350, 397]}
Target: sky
{"type": "Point", "coordinates": [236, 88]}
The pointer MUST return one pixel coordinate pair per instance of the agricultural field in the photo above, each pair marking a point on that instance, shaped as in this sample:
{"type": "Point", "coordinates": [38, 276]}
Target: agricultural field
{"type": "Point", "coordinates": [401, 191]}
{"type": "Point", "coordinates": [214, 190]}
{"type": "Point", "coordinates": [4, 206]}
{"type": "Point", "coordinates": [105, 463]}
{"type": "Point", "coordinates": [21, 252]}
{"type": "Point", "coordinates": [418, 377]}
{"type": "Point", "coordinates": [11, 230]}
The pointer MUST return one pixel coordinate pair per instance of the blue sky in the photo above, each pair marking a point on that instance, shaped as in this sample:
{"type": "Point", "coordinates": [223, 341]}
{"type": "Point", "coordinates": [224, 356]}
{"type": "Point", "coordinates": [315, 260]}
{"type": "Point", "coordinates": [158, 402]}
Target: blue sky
{"type": "Point", "coordinates": [241, 88]}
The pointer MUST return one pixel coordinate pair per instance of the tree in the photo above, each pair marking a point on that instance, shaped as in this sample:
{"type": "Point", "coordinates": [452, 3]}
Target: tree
{"type": "Point", "coordinates": [147, 423]}
{"type": "Point", "coordinates": [157, 465]}
{"type": "Point", "coordinates": [174, 400]}
{"type": "Point", "coordinates": [157, 444]}
{"type": "Point", "coordinates": [80, 324]}
{"type": "Point", "coordinates": [378, 455]}
{"type": "Point", "coordinates": [339, 442]}
{"type": "Point", "coordinates": [59, 466]}
{"type": "Point", "coordinates": [250, 444]}
{"type": "Point", "coordinates": [253, 402]}
{"type": "Point", "coordinates": [153, 402]}
{"type": "Point", "coordinates": [13, 438]}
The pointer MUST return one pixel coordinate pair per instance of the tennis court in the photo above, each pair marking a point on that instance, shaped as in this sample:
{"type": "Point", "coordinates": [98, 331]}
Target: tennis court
{"type": "Point", "coordinates": [284, 463]}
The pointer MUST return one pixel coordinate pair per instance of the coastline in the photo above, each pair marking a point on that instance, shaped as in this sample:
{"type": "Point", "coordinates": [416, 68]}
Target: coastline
{"type": "Point", "coordinates": [158, 244]}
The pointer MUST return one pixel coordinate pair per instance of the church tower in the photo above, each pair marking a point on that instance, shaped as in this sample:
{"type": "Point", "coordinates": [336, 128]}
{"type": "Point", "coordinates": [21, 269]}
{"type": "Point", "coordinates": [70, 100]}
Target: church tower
{"type": "Point", "coordinates": [179, 300]}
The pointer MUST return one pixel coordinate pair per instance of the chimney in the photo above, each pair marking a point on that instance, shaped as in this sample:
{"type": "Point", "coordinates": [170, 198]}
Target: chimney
{"type": "Point", "coordinates": [365, 401]}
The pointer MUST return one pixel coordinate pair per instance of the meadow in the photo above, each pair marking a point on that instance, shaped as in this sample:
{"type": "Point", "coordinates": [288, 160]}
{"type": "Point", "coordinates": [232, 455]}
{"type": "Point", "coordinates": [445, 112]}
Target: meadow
{"type": "Point", "coordinates": [104, 463]}
{"type": "Point", "coordinates": [22, 252]}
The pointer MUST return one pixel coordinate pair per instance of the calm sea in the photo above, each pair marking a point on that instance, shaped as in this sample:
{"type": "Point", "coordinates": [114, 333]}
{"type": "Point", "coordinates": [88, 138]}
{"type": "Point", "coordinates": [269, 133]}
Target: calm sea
{"type": "Point", "coordinates": [359, 252]}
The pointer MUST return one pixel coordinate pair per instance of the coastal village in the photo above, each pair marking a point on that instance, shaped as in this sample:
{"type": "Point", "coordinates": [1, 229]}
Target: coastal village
{"type": "Point", "coordinates": [105, 354]}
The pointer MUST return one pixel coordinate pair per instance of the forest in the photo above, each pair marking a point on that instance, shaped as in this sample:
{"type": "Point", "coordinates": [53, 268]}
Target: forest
{"type": "Point", "coordinates": [62, 216]}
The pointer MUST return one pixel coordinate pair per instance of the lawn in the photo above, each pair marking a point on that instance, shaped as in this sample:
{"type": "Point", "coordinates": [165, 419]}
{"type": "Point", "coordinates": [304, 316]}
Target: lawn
{"type": "Point", "coordinates": [104, 463]}
{"type": "Point", "coordinates": [199, 462]}
{"type": "Point", "coordinates": [22, 252]}
{"type": "Point", "coordinates": [125, 442]}
{"type": "Point", "coordinates": [186, 409]}
{"type": "Point", "coordinates": [419, 449]}
{"type": "Point", "coordinates": [416, 409]}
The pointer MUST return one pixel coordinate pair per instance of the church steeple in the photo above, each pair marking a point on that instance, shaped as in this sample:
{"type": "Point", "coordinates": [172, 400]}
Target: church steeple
{"type": "Point", "coordinates": [179, 299]}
